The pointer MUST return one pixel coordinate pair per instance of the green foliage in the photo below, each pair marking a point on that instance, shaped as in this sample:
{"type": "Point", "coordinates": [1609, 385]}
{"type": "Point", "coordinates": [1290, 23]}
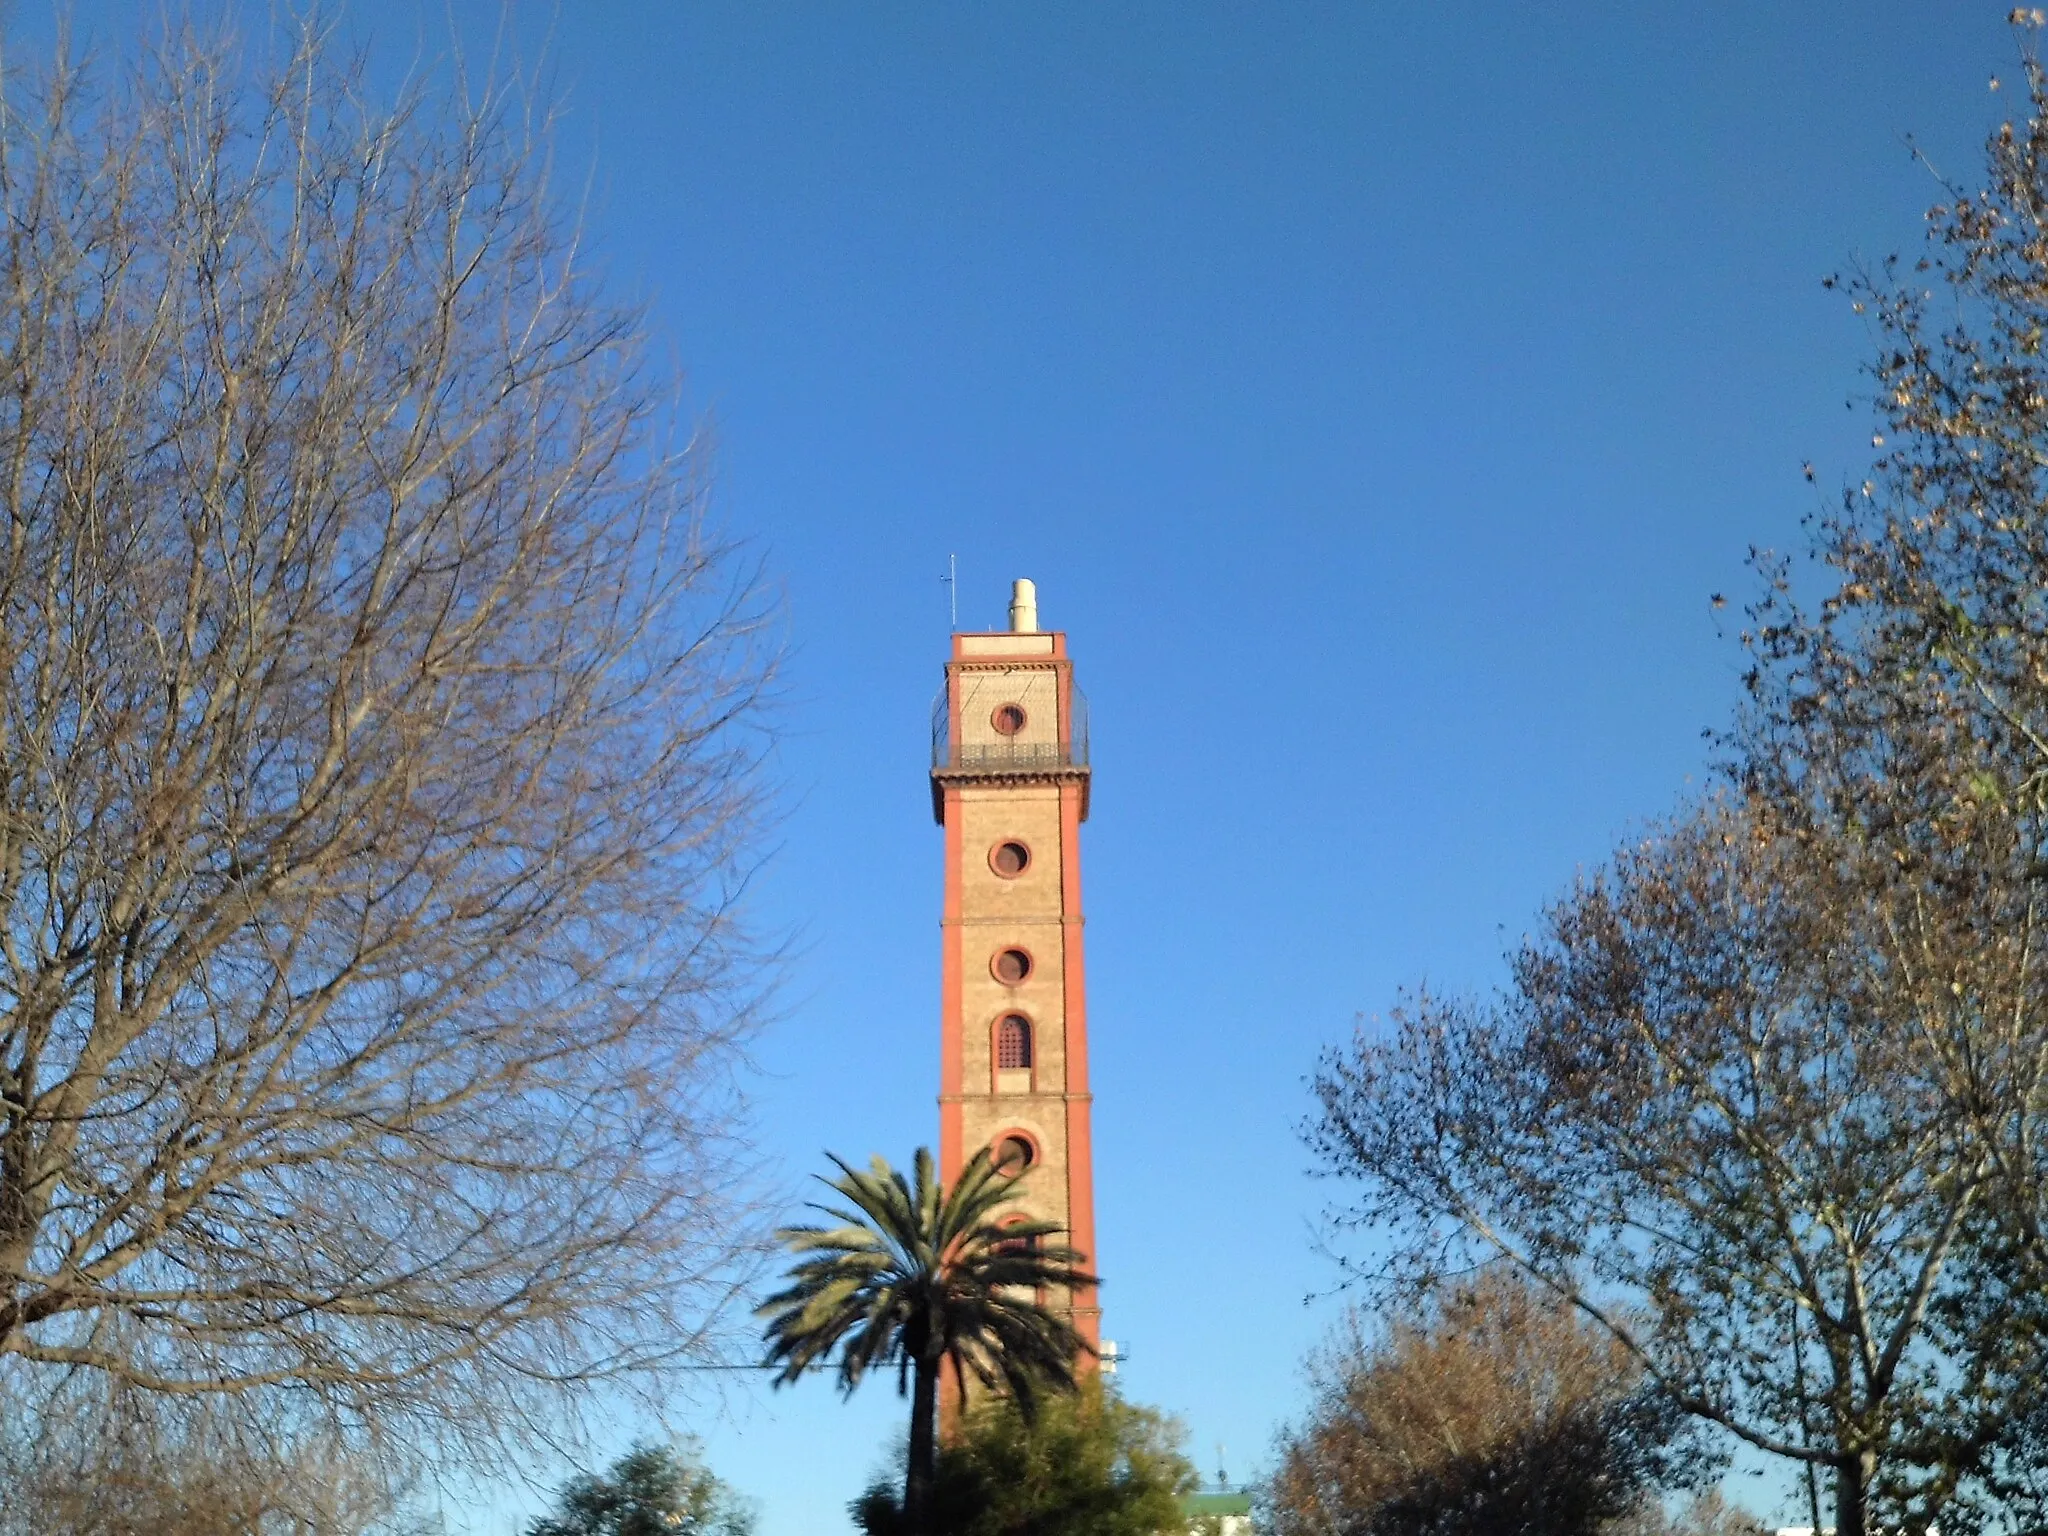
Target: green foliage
{"type": "Point", "coordinates": [652, 1490]}
{"type": "Point", "coordinates": [1088, 1465]}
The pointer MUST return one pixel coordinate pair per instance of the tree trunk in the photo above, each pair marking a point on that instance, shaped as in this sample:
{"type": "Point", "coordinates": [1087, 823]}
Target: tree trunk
{"type": "Point", "coordinates": [924, 1447]}
{"type": "Point", "coordinates": [1852, 1493]}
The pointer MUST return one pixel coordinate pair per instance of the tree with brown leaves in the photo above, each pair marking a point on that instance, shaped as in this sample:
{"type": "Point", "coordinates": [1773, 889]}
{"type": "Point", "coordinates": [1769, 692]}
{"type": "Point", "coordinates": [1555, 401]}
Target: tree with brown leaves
{"type": "Point", "coordinates": [1688, 1113]}
{"type": "Point", "coordinates": [1905, 714]}
{"type": "Point", "coordinates": [1493, 1409]}
{"type": "Point", "coordinates": [1778, 1079]}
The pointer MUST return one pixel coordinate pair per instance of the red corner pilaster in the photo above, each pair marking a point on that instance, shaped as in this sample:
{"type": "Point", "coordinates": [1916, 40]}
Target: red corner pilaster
{"type": "Point", "coordinates": [1080, 1100]}
{"type": "Point", "coordinates": [951, 1071]}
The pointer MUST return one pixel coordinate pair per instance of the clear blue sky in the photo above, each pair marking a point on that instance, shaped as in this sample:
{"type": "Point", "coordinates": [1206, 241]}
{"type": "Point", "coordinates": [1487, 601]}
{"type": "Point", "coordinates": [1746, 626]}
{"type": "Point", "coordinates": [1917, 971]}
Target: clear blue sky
{"type": "Point", "coordinates": [1377, 392]}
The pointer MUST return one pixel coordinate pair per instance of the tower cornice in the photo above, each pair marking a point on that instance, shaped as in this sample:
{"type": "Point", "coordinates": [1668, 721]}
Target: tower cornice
{"type": "Point", "coordinates": [1006, 777]}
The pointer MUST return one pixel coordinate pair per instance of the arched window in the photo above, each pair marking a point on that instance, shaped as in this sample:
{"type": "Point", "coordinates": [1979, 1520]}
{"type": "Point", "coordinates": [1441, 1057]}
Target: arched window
{"type": "Point", "coordinates": [1013, 1042]}
{"type": "Point", "coordinates": [1012, 1155]}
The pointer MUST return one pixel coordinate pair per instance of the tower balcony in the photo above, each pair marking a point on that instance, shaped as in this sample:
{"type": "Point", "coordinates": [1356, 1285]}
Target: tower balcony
{"type": "Point", "coordinates": [992, 758]}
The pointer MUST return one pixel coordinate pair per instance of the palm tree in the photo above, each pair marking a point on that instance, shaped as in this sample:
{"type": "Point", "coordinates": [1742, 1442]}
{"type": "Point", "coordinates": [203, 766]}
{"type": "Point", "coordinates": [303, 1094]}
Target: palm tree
{"type": "Point", "coordinates": [916, 1276]}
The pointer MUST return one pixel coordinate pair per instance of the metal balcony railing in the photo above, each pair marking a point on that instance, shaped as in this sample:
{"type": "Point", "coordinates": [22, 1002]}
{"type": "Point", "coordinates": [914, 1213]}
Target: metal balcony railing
{"type": "Point", "coordinates": [1005, 754]}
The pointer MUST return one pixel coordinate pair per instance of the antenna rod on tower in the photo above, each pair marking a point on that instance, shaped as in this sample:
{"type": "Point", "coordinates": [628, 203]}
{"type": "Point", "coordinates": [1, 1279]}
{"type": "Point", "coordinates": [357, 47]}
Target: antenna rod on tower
{"type": "Point", "coordinates": [952, 581]}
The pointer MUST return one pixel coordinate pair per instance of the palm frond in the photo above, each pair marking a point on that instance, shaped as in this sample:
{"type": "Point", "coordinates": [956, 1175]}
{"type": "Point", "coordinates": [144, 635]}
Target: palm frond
{"type": "Point", "coordinates": [910, 1269]}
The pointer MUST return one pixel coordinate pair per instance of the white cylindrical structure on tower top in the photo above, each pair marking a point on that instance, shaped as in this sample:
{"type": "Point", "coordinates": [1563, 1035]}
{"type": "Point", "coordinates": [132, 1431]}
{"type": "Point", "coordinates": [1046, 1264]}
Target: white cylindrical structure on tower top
{"type": "Point", "coordinates": [1023, 607]}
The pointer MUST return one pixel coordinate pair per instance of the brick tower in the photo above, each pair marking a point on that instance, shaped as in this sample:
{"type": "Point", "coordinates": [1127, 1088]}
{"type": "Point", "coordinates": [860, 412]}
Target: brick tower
{"type": "Point", "coordinates": [1010, 786]}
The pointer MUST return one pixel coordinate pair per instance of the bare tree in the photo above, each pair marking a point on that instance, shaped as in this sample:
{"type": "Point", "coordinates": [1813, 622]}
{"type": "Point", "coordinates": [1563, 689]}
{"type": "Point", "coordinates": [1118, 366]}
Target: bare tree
{"type": "Point", "coordinates": [1490, 1408]}
{"type": "Point", "coordinates": [110, 1462]}
{"type": "Point", "coordinates": [1691, 1116]}
{"type": "Point", "coordinates": [1704, 1514]}
{"type": "Point", "coordinates": [377, 759]}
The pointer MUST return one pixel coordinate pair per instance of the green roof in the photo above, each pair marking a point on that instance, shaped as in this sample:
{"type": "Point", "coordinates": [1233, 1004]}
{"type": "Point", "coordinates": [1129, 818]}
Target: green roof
{"type": "Point", "coordinates": [1216, 1504]}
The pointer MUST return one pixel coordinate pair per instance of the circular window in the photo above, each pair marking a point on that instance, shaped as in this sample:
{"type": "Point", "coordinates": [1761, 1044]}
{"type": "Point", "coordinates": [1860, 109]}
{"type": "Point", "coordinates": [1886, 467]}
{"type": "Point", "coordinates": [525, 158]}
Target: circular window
{"type": "Point", "coordinates": [1008, 719]}
{"type": "Point", "coordinates": [1011, 966]}
{"type": "Point", "coordinates": [1009, 859]}
{"type": "Point", "coordinates": [1013, 1154]}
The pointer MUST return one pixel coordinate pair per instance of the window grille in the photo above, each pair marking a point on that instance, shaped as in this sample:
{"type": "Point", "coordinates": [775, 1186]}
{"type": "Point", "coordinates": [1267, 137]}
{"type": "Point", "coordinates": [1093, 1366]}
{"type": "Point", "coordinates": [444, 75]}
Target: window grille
{"type": "Point", "coordinates": [1013, 1043]}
